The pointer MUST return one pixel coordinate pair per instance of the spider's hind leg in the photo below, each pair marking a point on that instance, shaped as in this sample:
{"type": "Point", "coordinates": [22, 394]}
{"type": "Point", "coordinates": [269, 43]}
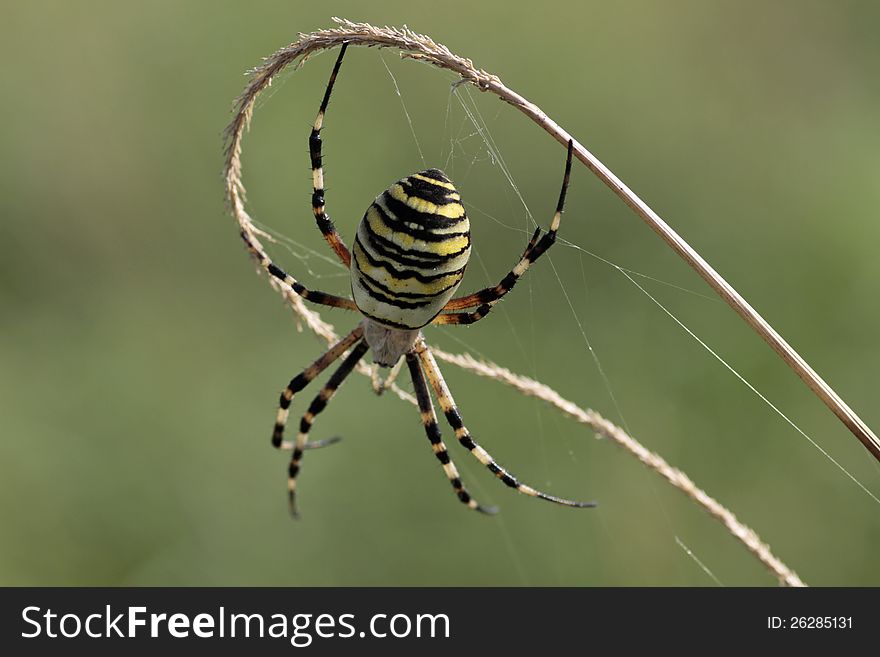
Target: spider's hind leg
{"type": "Point", "coordinates": [485, 299]}
{"type": "Point", "coordinates": [325, 225]}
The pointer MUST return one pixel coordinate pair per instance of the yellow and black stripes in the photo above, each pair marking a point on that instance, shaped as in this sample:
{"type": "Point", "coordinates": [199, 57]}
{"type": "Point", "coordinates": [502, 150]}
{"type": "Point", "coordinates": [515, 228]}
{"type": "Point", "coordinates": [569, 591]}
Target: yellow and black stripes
{"type": "Point", "coordinates": [411, 251]}
{"type": "Point", "coordinates": [487, 298]}
{"type": "Point", "coordinates": [447, 404]}
{"type": "Point", "coordinates": [304, 378]}
{"type": "Point", "coordinates": [429, 421]}
{"type": "Point", "coordinates": [286, 279]}
{"type": "Point", "coordinates": [408, 259]}
{"type": "Point", "coordinates": [325, 225]}
{"type": "Point", "coordinates": [319, 403]}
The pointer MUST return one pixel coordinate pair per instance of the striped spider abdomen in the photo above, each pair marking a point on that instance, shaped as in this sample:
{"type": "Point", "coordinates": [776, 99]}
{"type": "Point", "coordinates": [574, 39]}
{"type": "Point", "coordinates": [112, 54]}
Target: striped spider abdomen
{"type": "Point", "coordinates": [411, 250]}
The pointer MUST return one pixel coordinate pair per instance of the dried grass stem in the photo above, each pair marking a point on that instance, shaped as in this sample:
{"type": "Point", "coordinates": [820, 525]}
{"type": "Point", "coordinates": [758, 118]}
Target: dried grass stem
{"type": "Point", "coordinates": [422, 47]}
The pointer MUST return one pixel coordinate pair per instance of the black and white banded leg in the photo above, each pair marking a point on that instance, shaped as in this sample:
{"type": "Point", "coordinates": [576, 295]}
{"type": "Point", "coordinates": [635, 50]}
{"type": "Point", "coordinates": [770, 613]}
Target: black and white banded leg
{"type": "Point", "coordinates": [287, 280]}
{"type": "Point", "coordinates": [429, 421]}
{"type": "Point", "coordinates": [325, 225]}
{"type": "Point", "coordinates": [486, 299]}
{"type": "Point", "coordinates": [303, 379]}
{"type": "Point", "coordinates": [319, 403]}
{"type": "Point", "coordinates": [447, 404]}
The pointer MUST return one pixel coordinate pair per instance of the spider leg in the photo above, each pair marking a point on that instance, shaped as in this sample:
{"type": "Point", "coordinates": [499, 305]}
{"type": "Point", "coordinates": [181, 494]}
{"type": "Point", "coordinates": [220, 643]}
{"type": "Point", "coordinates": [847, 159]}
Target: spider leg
{"type": "Point", "coordinates": [447, 404]}
{"type": "Point", "coordinates": [325, 225]}
{"type": "Point", "coordinates": [429, 420]}
{"type": "Point", "coordinates": [481, 297]}
{"type": "Point", "coordinates": [319, 403]}
{"type": "Point", "coordinates": [287, 280]}
{"type": "Point", "coordinates": [487, 298]}
{"type": "Point", "coordinates": [303, 379]}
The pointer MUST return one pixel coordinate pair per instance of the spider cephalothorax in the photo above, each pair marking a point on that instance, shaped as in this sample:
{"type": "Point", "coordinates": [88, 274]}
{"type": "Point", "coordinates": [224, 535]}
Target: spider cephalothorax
{"type": "Point", "coordinates": [409, 257]}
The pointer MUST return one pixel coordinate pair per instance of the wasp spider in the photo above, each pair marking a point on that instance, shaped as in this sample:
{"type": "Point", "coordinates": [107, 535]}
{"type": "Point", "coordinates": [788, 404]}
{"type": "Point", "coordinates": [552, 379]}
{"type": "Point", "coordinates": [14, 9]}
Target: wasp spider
{"type": "Point", "coordinates": [409, 256]}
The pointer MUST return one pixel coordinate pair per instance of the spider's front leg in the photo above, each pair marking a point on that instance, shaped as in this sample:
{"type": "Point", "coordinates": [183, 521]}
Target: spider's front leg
{"type": "Point", "coordinates": [298, 383]}
{"type": "Point", "coordinates": [429, 421]}
{"type": "Point", "coordinates": [486, 299]}
{"type": "Point", "coordinates": [447, 404]}
{"type": "Point", "coordinates": [304, 378]}
{"type": "Point", "coordinates": [319, 403]}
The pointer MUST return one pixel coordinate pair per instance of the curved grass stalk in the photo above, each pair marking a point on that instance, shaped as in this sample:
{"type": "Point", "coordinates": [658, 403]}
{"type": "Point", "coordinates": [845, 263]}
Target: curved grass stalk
{"type": "Point", "coordinates": [417, 46]}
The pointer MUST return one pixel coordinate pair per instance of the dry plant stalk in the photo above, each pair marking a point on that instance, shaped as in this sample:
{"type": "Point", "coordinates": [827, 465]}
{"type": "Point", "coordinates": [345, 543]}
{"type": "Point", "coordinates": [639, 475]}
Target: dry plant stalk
{"type": "Point", "coordinates": [418, 46]}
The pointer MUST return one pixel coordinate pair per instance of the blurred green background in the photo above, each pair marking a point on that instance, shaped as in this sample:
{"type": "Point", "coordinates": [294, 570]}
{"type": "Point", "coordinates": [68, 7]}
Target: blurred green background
{"type": "Point", "coordinates": [141, 357]}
